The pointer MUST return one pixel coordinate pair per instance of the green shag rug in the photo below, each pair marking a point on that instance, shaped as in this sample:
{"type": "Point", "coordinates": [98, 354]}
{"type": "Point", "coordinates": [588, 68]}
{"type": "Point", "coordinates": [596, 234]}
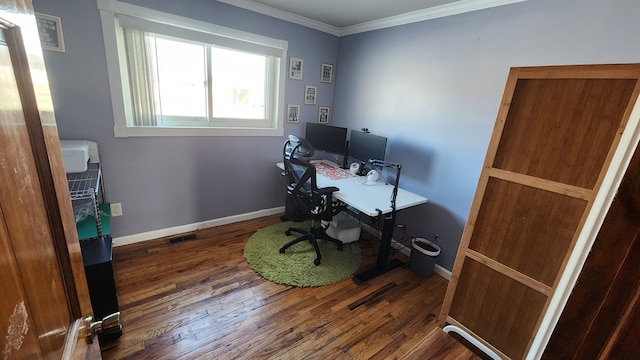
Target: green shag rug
{"type": "Point", "coordinates": [295, 267]}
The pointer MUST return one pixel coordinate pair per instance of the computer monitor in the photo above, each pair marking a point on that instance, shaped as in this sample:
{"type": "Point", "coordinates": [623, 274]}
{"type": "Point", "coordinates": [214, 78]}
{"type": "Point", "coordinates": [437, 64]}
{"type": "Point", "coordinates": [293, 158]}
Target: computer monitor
{"type": "Point", "coordinates": [364, 146]}
{"type": "Point", "coordinates": [327, 138]}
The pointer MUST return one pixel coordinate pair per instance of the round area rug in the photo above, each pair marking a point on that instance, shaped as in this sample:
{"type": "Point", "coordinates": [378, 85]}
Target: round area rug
{"type": "Point", "coordinates": [295, 267]}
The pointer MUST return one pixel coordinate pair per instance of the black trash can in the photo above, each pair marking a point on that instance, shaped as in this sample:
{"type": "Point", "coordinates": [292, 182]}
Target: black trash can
{"type": "Point", "coordinates": [423, 256]}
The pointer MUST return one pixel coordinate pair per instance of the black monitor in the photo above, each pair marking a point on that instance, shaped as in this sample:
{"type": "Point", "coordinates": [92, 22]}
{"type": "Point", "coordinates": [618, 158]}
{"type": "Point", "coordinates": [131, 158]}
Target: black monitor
{"type": "Point", "coordinates": [327, 138]}
{"type": "Point", "coordinates": [364, 146]}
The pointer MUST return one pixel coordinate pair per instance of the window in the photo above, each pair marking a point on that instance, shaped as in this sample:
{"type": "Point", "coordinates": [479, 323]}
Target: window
{"type": "Point", "coordinates": [173, 76]}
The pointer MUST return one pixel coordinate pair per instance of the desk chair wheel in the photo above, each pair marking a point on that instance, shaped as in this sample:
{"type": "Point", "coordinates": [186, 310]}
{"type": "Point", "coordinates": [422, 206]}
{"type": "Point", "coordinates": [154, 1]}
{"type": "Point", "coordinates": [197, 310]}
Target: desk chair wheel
{"type": "Point", "coordinates": [340, 247]}
{"type": "Point", "coordinates": [287, 232]}
{"type": "Point", "coordinates": [316, 261]}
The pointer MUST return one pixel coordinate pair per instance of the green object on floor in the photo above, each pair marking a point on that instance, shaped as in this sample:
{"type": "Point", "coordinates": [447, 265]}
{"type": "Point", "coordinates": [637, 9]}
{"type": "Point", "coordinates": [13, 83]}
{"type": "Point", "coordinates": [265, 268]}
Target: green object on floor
{"type": "Point", "coordinates": [295, 267]}
{"type": "Point", "coordinates": [87, 227]}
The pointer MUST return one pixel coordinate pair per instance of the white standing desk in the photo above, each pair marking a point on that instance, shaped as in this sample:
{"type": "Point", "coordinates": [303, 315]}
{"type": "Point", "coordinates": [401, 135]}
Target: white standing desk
{"type": "Point", "coordinates": [371, 200]}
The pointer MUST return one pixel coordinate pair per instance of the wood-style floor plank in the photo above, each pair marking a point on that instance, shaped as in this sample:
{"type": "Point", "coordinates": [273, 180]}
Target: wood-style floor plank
{"type": "Point", "coordinates": [198, 299]}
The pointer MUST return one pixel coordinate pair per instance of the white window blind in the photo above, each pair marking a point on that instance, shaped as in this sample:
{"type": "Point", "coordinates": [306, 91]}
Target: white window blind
{"type": "Point", "coordinates": [173, 76]}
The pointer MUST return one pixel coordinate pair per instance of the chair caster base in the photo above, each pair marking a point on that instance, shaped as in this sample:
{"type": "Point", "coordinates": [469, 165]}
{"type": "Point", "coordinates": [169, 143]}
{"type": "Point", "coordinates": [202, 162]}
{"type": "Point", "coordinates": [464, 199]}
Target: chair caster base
{"type": "Point", "coordinates": [316, 262]}
{"type": "Point", "coordinates": [282, 250]}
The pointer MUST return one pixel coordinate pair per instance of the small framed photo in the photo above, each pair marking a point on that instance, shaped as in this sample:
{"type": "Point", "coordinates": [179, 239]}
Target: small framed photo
{"type": "Point", "coordinates": [296, 68]}
{"type": "Point", "coordinates": [50, 31]}
{"type": "Point", "coordinates": [310, 94]}
{"type": "Point", "coordinates": [326, 73]}
{"type": "Point", "coordinates": [293, 114]}
{"type": "Point", "coordinates": [323, 114]}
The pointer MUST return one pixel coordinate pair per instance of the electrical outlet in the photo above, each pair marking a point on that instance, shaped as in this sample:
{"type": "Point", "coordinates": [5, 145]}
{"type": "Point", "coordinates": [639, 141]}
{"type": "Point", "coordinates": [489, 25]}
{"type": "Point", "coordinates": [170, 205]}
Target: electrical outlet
{"type": "Point", "coordinates": [116, 209]}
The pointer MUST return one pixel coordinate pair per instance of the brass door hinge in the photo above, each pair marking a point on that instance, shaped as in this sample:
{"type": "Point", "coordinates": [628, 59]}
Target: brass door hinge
{"type": "Point", "coordinates": [109, 325]}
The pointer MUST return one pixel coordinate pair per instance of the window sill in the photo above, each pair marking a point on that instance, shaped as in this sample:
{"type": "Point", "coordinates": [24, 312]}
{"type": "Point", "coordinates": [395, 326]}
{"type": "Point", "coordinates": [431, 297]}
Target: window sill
{"type": "Point", "coordinates": [120, 132]}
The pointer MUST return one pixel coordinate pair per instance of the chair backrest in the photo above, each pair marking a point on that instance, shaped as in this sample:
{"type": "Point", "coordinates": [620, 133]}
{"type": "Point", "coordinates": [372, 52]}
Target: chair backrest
{"type": "Point", "coordinates": [303, 198]}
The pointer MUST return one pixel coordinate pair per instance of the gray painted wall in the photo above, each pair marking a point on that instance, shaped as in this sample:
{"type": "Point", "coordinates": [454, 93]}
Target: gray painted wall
{"type": "Point", "coordinates": [433, 88]}
{"type": "Point", "coordinates": [170, 181]}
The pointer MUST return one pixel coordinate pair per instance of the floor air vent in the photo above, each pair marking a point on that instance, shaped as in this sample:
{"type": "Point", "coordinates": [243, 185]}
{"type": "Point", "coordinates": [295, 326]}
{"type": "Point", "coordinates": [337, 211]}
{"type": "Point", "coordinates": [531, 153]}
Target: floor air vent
{"type": "Point", "coordinates": [182, 238]}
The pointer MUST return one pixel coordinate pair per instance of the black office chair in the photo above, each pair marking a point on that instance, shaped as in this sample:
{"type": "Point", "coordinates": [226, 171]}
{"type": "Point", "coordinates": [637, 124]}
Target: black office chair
{"type": "Point", "coordinates": [304, 198]}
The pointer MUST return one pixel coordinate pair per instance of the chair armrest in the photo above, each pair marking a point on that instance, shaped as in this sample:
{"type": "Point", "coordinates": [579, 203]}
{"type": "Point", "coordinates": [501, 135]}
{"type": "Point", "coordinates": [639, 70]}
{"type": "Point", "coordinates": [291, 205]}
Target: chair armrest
{"type": "Point", "coordinates": [327, 190]}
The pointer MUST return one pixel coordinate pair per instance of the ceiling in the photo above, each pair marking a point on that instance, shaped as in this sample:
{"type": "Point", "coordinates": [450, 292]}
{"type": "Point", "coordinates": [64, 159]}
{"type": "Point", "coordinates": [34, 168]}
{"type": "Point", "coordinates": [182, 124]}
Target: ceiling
{"type": "Point", "coordinates": [344, 17]}
{"type": "Point", "coordinates": [344, 13]}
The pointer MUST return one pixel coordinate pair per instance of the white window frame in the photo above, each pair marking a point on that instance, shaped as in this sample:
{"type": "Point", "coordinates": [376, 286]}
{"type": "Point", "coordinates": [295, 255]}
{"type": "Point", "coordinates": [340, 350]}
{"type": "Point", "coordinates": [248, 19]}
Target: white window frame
{"type": "Point", "coordinates": [111, 9]}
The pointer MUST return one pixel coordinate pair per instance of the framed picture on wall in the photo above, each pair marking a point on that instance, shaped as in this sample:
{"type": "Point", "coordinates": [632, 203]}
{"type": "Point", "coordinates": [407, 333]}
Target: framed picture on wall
{"type": "Point", "coordinates": [310, 94]}
{"type": "Point", "coordinates": [323, 114]}
{"type": "Point", "coordinates": [50, 31]}
{"type": "Point", "coordinates": [326, 73]}
{"type": "Point", "coordinates": [293, 114]}
{"type": "Point", "coordinates": [296, 68]}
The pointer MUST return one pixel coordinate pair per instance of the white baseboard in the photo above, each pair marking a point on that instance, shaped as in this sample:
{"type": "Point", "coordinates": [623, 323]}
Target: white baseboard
{"type": "Point", "coordinates": [442, 272]}
{"type": "Point", "coordinates": [155, 234]}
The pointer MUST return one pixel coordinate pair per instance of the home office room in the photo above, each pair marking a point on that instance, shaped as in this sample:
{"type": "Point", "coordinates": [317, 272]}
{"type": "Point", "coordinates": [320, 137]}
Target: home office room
{"type": "Point", "coordinates": [474, 160]}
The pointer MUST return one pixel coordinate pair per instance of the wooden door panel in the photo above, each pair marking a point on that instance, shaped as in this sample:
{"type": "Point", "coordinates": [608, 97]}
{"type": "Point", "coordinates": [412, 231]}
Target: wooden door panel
{"type": "Point", "coordinates": [562, 129]}
{"type": "Point", "coordinates": [553, 141]}
{"type": "Point", "coordinates": [27, 221]}
{"type": "Point", "coordinates": [16, 326]}
{"type": "Point", "coordinates": [525, 228]}
{"type": "Point", "coordinates": [626, 344]}
{"type": "Point", "coordinates": [497, 308]}
{"type": "Point", "coordinates": [44, 289]}
{"type": "Point", "coordinates": [614, 315]}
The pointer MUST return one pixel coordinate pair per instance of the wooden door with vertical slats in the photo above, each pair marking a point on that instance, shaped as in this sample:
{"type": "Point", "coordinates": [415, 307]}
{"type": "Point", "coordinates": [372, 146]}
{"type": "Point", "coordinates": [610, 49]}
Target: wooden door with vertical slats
{"type": "Point", "coordinates": [43, 291]}
{"type": "Point", "coordinates": [553, 140]}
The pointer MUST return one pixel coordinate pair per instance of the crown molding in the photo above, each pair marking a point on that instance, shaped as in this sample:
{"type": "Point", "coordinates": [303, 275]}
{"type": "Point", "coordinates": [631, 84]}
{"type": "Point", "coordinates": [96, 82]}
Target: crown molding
{"type": "Point", "coordinates": [458, 7]}
{"type": "Point", "coordinates": [283, 15]}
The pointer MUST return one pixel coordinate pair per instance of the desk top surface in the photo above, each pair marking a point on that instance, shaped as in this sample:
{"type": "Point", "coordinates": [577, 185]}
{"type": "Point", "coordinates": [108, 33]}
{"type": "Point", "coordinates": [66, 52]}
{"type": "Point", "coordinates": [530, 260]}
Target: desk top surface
{"type": "Point", "coordinates": [367, 199]}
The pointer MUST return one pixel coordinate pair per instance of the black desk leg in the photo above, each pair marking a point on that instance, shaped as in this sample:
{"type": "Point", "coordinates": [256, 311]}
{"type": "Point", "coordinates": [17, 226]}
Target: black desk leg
{"type": "Point", "coordinates": [382, 263]}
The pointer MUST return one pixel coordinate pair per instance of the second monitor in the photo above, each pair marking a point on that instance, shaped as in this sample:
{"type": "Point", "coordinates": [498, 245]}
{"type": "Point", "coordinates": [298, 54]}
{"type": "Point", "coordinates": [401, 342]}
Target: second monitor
{"type": "Point", "coordinates": [327, 138]}
{"type": "Point", "coordinates": [365, 146]}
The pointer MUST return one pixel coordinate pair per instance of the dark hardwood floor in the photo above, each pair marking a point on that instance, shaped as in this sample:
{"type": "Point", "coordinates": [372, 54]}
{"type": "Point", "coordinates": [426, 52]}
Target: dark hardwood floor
{"type": "Point", "coordinates": [199, 299]}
